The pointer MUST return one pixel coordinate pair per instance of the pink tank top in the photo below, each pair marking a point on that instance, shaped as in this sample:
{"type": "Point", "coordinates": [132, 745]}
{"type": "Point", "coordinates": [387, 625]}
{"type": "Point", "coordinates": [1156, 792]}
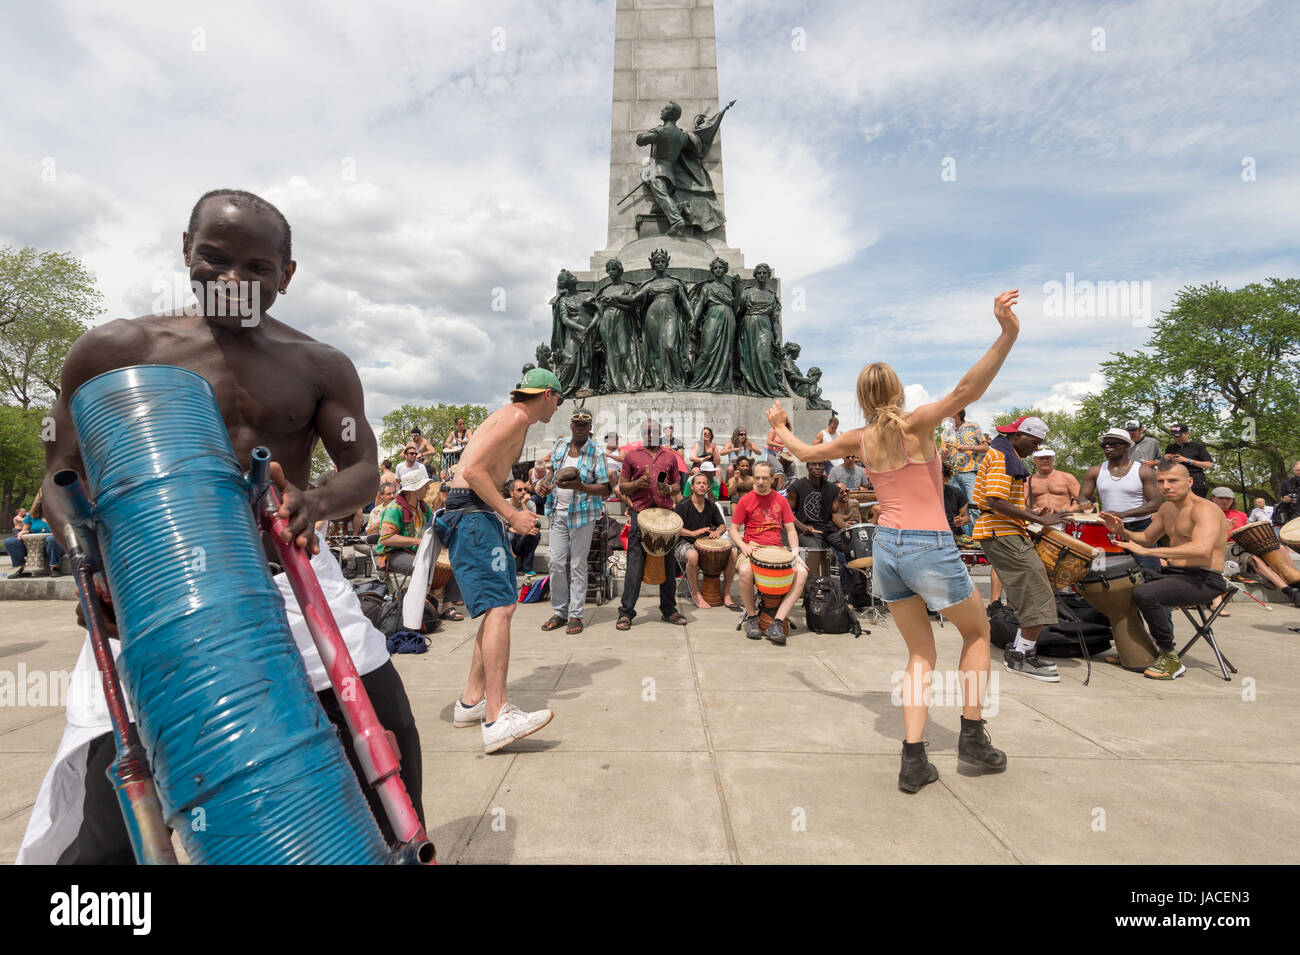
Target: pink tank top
{"type": "Point", "coordinates": [910, 496]}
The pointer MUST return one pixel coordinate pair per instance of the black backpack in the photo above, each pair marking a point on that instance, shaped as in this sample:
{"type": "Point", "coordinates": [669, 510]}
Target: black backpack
{"type": "Point", "coordinates": [1060, 639]}
{"type": "Point", "coordinates": [825, 610]}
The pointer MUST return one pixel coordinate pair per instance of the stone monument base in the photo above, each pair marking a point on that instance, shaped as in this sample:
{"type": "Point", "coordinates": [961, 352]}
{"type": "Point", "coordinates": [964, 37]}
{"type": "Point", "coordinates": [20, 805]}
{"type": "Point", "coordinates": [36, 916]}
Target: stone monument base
{"type": "Point", "coordinates": [687, 411]}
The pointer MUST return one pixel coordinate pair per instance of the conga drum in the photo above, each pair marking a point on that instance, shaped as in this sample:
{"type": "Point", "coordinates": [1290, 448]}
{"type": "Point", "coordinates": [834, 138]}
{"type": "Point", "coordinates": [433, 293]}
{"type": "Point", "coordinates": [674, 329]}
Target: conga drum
{"type": "Point", "coordinates": [658, 529]}
{"type": "Point", "coordinates": [36, 564]}
{"type": "Point", "coordinates": [1261, 539]}
{"type": "Point", "coordinates": [773, 576]}
{"type": "Point", "coordinates": [1091, 529]}
{"type": "Point", "coordinates": [860, 539]}
{"type": "Point", "coordinates": [1110, 592]}
{"type": "Point", "coordinates": [1066, 560]}
{"type": "Point", "coordinates": [713, 554]}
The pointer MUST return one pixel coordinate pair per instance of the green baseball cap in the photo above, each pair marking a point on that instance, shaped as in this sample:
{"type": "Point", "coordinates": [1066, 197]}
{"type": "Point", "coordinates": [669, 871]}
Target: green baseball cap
{"type": "Point", "coordinates": [536, 381]}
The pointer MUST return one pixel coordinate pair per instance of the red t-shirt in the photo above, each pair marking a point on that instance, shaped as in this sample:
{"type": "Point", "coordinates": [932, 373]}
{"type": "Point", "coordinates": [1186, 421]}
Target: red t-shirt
{"type": "Point", "coordinates": [637, 462]}
{"type": "Point", "coordinates": [764, 518]}
{"type": "Point", "coordinates": [1236, 519]}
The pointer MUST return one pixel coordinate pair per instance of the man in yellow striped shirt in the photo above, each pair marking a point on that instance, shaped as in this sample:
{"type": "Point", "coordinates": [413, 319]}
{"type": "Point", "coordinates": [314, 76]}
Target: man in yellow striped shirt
{"type": "Point", "coordinates": [1000, 531]}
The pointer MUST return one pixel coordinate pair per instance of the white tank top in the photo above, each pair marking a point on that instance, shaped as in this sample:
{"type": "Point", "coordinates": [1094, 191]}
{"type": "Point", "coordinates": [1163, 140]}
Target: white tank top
{"type": "Point", "coordinates": [1121, 494]}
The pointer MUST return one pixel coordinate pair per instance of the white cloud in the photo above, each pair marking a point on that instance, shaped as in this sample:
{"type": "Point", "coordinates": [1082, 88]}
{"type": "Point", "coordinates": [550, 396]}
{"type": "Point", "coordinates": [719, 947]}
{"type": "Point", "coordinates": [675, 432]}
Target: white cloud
{"type": "Point", "coordinates": [1066, 395]}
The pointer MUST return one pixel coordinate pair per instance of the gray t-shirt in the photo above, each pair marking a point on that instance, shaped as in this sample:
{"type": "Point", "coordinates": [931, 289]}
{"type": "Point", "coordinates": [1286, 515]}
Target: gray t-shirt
{"type": "Point", "coordinates": [852, 478]}
{"type": "Point", "coordinates": [1145, 450]}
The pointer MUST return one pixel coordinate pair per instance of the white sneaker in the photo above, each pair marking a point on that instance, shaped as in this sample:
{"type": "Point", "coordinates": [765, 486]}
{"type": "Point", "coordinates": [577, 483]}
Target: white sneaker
{"type": "Point", "coordinates": [463, 715]}
{"type": "Point", "coordinates": [511, 724]}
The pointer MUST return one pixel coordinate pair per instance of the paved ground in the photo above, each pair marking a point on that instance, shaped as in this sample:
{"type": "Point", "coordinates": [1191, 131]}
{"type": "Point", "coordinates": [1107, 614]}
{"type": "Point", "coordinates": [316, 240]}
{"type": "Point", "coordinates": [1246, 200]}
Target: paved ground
{"type": "Point", "coordinates": [696, 745]}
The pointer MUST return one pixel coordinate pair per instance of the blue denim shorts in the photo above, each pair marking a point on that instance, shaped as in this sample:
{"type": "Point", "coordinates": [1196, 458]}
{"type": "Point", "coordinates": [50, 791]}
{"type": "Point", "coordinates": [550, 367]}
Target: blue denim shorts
{"type": "Point", "coordinates": [480, 558]}
{"type": "Point", "coordinates": [919, 563]}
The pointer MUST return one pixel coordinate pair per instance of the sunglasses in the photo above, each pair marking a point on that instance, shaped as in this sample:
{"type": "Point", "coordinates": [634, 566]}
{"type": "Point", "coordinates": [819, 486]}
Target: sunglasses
{"type": "Point", "coordinates": [582, 417]}
{"type": "Point", "coordinates": [1113, 444]}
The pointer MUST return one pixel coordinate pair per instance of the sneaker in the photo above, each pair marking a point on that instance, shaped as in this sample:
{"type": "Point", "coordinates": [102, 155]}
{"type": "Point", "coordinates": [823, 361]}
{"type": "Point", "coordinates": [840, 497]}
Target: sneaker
{"type": "Point", "coordinates": [1017, 663]}
{"type": "Point", "coordinates": [1166, 667]}
{"type": "Point", "coordinates": [462, 715]}
{"type": "Point", "coordinates": [1033, 657]}
{"type": "Point", "coordinates": [776, 633]}
{"type": "Point", "coordinates": [511, 724]}
{"type": "Point", "coordinates": [752, 628]}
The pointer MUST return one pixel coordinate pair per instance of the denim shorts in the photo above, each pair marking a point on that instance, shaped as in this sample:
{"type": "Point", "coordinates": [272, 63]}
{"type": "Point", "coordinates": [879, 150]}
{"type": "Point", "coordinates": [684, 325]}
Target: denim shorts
{"type": "Point", "coordinates": [480, 558]}
{"type": "Point", "coordinates": [919, 563]}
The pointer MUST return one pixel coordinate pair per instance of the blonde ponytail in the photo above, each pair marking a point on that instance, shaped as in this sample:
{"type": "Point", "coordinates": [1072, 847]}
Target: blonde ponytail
{"type": "Point", "coordinates": [880, 395]}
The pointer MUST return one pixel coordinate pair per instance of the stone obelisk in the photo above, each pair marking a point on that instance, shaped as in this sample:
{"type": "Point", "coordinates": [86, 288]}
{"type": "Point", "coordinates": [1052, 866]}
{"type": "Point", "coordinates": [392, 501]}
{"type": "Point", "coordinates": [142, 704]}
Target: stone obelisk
{"type": "Point", "coordinates": [663, 50]}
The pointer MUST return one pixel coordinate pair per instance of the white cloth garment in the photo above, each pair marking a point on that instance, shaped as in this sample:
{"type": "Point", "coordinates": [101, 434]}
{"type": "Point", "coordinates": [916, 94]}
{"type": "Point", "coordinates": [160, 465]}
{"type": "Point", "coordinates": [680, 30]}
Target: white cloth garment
{"type": "Point", "coordinates": [421, 576]}
{"type": "Point", "coordinates": [56, 817]}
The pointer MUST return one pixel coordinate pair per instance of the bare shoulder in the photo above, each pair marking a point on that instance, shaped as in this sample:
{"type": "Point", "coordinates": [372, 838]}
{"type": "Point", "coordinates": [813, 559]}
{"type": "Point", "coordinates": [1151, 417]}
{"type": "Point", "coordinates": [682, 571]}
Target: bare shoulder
{"type": "Point", "coordinates": [115, 344]}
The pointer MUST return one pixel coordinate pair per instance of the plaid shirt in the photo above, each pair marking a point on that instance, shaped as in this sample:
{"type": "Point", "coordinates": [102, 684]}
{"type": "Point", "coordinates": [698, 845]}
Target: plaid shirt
{"type": "Point", "coordinates": [584, 508]}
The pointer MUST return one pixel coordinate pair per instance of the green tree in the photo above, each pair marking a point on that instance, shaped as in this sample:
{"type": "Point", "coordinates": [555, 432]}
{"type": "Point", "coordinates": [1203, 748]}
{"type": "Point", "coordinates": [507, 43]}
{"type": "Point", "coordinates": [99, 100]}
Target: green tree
{"type": "Point", "coordinates": [1227, 363]}
{"type": "Point", "coordinates": [434, 421]}
{"type": "Point", "coordinates": [22, 458]}
{"type": "Point", "coordinates": [46, 302]}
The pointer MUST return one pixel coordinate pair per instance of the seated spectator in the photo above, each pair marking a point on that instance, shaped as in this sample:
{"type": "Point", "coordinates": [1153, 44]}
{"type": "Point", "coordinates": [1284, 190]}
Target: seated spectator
{"type": "Point", "coordinates": [851, 474]}
{"type": "Point", "coordinates": [613, 458]}
{"type": "Point", "coordinates": [20, 516]}
{"type": "Point", "coordinates": [710, 471]}
{"type": "Point", "coordinates": [741, 481]}
{"type": "Point", "coordinates": [523, 546]}
{"type": "Point", "coordinates": [34, 523]}
{"type": "Point", "coordinates": [703, 450]}
{"type": "Point", "coordinates": [537, 482]}
{"type": "Point", "coordinates": [386, 472]}
{"type": "Point", "coordinates": [1260, 512]}
{"type": "Point", "coordinates": [812, 501]}
{"type": "Point", "coordinates": [672, 442]}
{"type": "Point", "coordinates": [410, 463]}
{"type": "Point", "coordinates": [829, 434]}
{"type": "Point", "coordinates": [701, 517]}
{"type": "Point", "coordinates": [402, 525]}
{"type": "Point", "coordinates": [1223, 497]}
{"type": "Point", "coordinates": [782, 463]}
{"type": "Point", "coordinates": [387, 491]}
{"type": "Point", "coordinates": [954, 502]}
{"type": "Point", "coordinates": [739, 446]}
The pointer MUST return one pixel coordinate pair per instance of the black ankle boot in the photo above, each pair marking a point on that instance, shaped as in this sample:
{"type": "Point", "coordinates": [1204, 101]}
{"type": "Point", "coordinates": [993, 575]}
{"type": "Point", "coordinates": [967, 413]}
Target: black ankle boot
{"type": "Point", "coordinates": [975, 747]}
{"type": "Point", "coordinates": [917, 771]}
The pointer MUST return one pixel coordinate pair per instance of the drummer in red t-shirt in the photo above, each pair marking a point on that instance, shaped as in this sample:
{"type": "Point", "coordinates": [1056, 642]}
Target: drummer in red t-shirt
{"type": "Point", "coordinates": [764, 515]}
{"type": "Point", "coordinates": [652, 476]}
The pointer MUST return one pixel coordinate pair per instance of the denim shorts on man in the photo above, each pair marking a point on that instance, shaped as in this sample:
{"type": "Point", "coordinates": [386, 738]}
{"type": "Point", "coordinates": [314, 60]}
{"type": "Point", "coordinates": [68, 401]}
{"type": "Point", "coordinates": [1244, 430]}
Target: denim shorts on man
{"type": "Point", "coordinates": [919, 563]}
{"type": "Point", "coordinates": [480, 556]}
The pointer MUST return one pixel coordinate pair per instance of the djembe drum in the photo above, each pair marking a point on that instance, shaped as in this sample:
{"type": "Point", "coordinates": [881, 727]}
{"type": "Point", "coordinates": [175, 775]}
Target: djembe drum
{"type": "Point", "coordinates": [1261, 539]}
{"type": "Point", "coordinates": [1110, 592]}
{"type": "Point", "coordinates": [714, 552]}
{"type": "Point", "coordinates": [1066, 560]}
{"type": "Point", "coordinates": [658, 529]}
{"type": "Point", "coordinates": [773, 576]}
{"type": "Point", "coordinates": [441, 570]}
{"type": "Point", "coordinates": [36, 564]}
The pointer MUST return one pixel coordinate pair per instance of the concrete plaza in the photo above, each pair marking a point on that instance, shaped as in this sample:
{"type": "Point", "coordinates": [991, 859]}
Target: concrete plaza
{"type": "Point", "coordinates": [696, 745]}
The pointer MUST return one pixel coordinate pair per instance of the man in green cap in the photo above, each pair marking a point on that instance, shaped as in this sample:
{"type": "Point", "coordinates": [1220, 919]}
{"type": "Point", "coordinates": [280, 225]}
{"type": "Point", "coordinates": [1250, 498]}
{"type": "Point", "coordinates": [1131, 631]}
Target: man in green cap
{"type": "Point", "coordinates": [473, 528]}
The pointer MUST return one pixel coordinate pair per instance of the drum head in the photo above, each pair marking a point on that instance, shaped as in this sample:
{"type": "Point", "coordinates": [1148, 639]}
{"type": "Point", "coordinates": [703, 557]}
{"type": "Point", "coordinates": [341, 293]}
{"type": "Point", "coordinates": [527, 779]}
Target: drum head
{"type": "Point", "coordinates": [713, 543]}
{"type": "Point", "coordinates": [1084, 518]}
{"type": "Point", "coordinates": [660, 520]}
{"type": "Point", "coordinates": [1290, 532]}
{"type": "Point", "coordinates": [772, 557]}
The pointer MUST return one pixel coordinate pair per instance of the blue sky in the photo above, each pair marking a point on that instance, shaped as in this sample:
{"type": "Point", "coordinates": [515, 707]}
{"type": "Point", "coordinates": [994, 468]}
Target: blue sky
{"type": "Point", "coordinates": [422, 169]}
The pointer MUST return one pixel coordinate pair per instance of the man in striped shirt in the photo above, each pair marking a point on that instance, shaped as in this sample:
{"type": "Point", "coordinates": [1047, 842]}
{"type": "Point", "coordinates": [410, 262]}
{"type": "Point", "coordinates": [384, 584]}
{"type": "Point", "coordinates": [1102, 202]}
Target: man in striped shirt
{"type": "Point", "coordinates": [1000, 531]}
